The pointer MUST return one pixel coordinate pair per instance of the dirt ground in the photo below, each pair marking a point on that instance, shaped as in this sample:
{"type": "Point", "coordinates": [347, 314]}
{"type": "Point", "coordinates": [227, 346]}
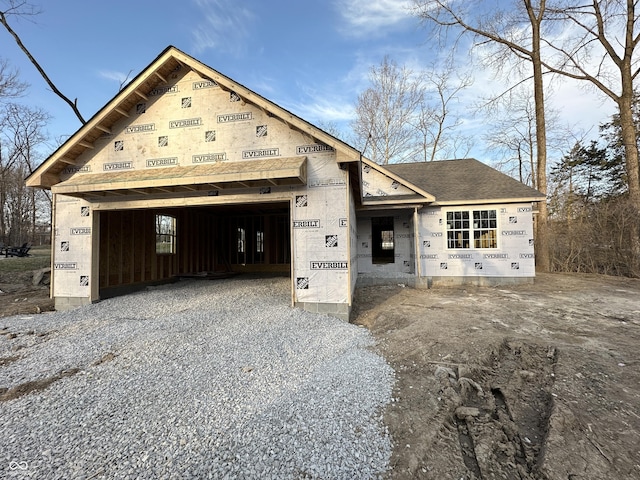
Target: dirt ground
{"type": "Point", "coordinates": [536, 381]}
{"type": "Point", "coordinates": [19, 295]}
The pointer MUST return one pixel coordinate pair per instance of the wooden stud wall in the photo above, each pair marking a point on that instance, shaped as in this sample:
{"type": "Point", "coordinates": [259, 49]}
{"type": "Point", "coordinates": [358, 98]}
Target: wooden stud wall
{"type": "Point", "coordinates": [127, 254]}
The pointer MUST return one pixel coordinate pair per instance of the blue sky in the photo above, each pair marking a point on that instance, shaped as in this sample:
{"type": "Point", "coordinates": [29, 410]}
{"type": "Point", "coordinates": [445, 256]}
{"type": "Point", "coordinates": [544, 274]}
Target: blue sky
{"type": "Point", "coordinates": [311, 57]}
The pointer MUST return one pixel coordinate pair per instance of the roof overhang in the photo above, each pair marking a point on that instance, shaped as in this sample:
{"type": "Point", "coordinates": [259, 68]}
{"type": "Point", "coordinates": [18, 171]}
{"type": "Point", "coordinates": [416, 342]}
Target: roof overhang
{"type": "Point", "coordinates": [407, 201]}
{"type": "Point", "coordinates": [217, 176]}
{"type": "Point", "coordinates": [490, 201]}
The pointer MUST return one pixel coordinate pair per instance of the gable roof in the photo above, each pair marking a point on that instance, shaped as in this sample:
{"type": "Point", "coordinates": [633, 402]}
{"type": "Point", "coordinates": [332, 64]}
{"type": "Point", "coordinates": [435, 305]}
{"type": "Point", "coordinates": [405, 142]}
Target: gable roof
{"type": "Point", "coordinates": [464, 181]}
{"type": "Point", "coordinates": [47, 174]}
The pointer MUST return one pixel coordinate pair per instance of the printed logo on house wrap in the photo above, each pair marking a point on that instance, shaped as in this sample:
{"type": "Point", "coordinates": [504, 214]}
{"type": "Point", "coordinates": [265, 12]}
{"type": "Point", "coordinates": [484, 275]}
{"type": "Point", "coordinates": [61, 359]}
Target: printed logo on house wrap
{"type": "Point", "coordinates": [460, 256]}
{"type": "Point", "coordinates": [524, 209]}
{"type": "Point", "coordinates": [514, 233]}
{"type": "Point", "coordinates": [235, 117]}
{"type": "Point", "coordinates": [209, 158]}
{"type": "Point", "coordinates": [429, 256]}
{"type": "Point", "coordinates": [313, 148]}
{"type": "Point", "coordinates": [343, 222]}
{"type": "Point", "coordinates": [302, 283]}
{"type": "Point", "coordinates": [331, 240]}
{"type": "Point", "coordinates": [234, 97]}
{"type": "Point", "coordinates": [490, 256]}
{"type": "Point", "coordinates": [65, 266]}
{"type": "Point", "coordinates": [80, 230]}
{"type": "Point", "coordinates": [204, 84]}
{"type": "Point", "coordinates": [210, 136]}
{"type": "Point", "coordinates": [261, 131]}
{"type": "Point", "coordinates": [147, 127]}
{"type": "Point", "coordinates": [64, 246]}
{"type": "Point", "coordinates": [187, 122]}
{"type": "Point", "coordinates": [527, 255]}
{"type": "Point", "coordinates": [85, 211]}
{"type": "Point", "coordinates": [306, 223]}
{"type": "Point", "coordinates": [444, 266]}
{"type": "Point", "coordinates": [301, 201]}
{"type": "Point", "coordinates": [327, 182]}
{"type": "Point", "coordinates": [162, 90]}
{"type": "Point", "coordinates": [162, 162]}
{"type": "Point", "coordinates": [72, 170]}
{"type": "Point", "coordinates": [515, 266]}
{"type": "Point", "coordinates": [84, 280]}
{"type": "Point", "coordinates": [329, 265]}
{"type": "Point", "coordinates": [117, 166]}
{"type": "Point", "coordinates": [478, 265]}
{"type": "Point", "coordinates": [118, 146]}
{"type": "Point", "coordinates": [263, 152]}
{"type": "Point", "coordinates": [513, 219]}
{"type": "Point", "coordinates": [436, 234]}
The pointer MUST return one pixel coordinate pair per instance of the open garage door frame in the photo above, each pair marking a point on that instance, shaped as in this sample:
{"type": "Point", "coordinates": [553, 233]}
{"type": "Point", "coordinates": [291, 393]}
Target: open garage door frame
{"type": "Point", "coordinates": [127, 254]}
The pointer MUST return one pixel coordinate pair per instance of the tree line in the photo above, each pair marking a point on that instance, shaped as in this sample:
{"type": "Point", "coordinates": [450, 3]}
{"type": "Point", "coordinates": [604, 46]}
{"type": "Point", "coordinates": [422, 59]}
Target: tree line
{"type": "Point", "coordinates": [591, 220]}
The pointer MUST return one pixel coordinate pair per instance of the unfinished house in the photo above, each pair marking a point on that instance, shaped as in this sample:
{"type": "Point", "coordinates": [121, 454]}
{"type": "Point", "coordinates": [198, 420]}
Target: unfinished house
{"type": "Point", "coordinates": [186, 171]}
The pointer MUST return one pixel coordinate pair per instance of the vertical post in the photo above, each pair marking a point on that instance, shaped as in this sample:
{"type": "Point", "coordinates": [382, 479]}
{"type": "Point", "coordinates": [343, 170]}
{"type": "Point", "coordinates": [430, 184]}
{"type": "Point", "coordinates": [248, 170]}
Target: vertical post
{"type": "Point", "coordinates": [416, 243]}
{"type": "Point", "coordinates": [94, 280]}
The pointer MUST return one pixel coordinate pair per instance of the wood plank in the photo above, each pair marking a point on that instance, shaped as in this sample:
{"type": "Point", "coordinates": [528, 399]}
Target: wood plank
{"type": "Point", "coordinates": [122, 112]}
{"type": "Point", "coordinates": [88, 145]}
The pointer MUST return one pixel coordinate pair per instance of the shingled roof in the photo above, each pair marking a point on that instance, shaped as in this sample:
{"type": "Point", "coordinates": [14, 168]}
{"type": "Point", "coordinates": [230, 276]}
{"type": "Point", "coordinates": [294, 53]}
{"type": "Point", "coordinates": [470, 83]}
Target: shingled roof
{"type": "Point", "coordinates": [464, 181]}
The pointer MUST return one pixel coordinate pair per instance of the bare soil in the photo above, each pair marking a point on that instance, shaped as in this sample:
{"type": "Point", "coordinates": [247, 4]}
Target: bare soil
{"type": "Point", "coordinates": [19, 296]}
{"type": "Point", "coordinates": [527, 382]}
{"type": "Point", "coordinates": [534, 381]}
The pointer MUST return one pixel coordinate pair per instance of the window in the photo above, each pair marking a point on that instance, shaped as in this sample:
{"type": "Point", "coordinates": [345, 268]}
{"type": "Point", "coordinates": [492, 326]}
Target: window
{"type": "Point", "coordinates": [241, 240]}
{"type": "Point", "coordinates": [259, 242]}
{"type": "Point", "coordinates": [479, 225]}
{"type": "Point", "coordinates": [383, 245]}
{"type": "Point", "coordinates": [165, 234]}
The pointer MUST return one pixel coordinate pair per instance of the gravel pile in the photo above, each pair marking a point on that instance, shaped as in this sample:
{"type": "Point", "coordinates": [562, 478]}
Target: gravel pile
{"type": "Point", "coordinates": [195, 380]}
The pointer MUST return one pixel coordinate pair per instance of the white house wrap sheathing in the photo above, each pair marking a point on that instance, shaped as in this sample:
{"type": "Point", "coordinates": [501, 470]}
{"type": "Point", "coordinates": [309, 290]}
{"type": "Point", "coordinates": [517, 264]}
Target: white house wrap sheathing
{"type": "Point", "coordinates": [513, 256]}
{"type": "Point", "coordinates": [192, 121]}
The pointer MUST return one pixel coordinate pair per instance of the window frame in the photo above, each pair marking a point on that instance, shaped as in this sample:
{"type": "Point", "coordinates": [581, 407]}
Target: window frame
{"type": "Point", "coordinates": [164, 232]}
{"type": "Point", "coordinates": [476, 226]}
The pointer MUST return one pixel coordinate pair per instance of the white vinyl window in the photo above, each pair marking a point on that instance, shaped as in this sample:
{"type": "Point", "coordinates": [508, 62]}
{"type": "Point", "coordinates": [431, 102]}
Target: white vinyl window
{"type": "Point", "coordinates": [472, 229]}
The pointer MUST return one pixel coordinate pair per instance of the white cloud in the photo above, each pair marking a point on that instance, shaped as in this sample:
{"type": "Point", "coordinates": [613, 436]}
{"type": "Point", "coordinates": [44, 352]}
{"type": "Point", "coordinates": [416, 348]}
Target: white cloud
{"type": "Point", "coordinates": [224, 24]}
{"type": "Point", "coordinates": [119, 77]}
{"type": "Point", "coordinates": [371, 17]}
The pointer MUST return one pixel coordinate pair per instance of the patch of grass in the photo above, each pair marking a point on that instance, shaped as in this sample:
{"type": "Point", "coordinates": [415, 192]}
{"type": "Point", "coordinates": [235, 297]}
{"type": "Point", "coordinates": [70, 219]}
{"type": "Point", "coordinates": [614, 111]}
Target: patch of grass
{"type": "Point", "coordinates": [39, 257]}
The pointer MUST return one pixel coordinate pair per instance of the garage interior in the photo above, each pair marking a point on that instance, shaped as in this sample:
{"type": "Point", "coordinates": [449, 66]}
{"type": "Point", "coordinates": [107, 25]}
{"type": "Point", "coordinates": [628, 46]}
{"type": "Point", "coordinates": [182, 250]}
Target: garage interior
{"type": "Point", "coordinates": [151, 246]}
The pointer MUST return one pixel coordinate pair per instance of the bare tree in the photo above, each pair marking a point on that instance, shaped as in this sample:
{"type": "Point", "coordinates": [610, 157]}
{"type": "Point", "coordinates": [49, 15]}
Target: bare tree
{"type": "Point", "coordinates": [517, 30]}
{"type": "Point", "coordinates": [22, 8]}
{"type": "Point", "coordinates": [21, 133]}
{"type": "Point", "coordinates": [603, 51]}
{"type": "Point", "coordinates": [384, 112]}
{"type": "Point", "coordinates": [435, 122]}
{"type": "Point", "coordinates": [10, 84]}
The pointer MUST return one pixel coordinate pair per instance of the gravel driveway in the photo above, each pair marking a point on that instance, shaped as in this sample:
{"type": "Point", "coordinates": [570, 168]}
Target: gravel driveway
{"type": "Point", "coordinates": [194, 380]}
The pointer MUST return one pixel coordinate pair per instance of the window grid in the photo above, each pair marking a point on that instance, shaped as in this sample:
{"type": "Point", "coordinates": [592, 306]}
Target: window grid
{"type": "Point", "coordinates": [483, 229]}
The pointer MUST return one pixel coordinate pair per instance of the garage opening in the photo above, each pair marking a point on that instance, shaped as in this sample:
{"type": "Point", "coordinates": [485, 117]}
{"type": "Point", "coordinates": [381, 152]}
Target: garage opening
{"type": "Point", "coordinates": [151, 246]}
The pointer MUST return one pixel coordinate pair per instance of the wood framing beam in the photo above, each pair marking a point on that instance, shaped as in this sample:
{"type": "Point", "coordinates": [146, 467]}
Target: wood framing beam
{"type": "Point", "coordinates": [104, 129]}
{"type": "Point", "coordinates": [66, 160]}
{"type": "Point", "coordinates": [84, 144]}
{"type": "Point", "coordinates": [160, 77]}
{"type": "Point", "coordinates": [121, 112]}
{"type": "Point", "coordinates": [142, 95]}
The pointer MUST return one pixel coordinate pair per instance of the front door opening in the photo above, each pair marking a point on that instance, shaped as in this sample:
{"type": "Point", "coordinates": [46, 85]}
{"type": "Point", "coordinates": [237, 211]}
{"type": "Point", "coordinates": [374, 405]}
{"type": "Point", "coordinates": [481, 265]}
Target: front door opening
{"type": "Point", "coordinates": [383, 245]}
